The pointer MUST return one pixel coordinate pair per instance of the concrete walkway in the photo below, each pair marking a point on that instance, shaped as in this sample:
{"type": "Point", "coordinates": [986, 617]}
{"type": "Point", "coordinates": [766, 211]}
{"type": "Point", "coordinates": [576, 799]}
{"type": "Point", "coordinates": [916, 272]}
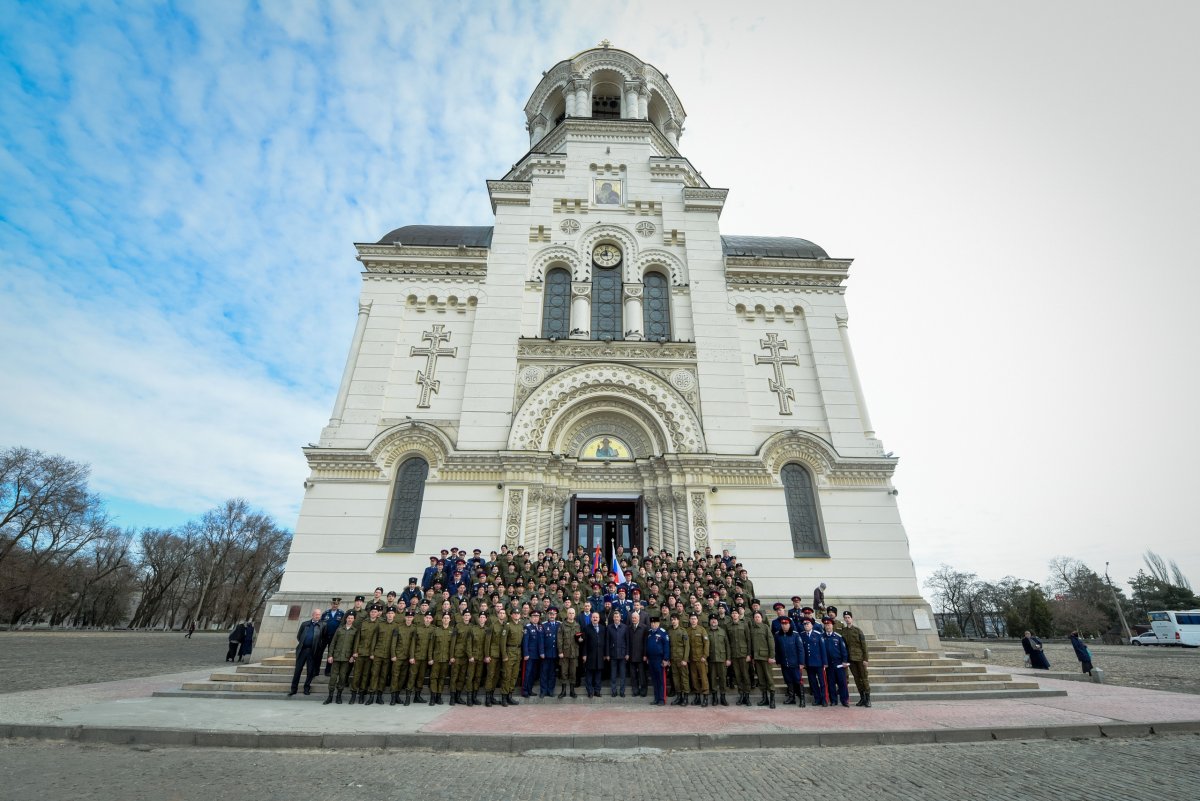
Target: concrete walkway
{"type": "Point", "coordinates": [127, 712]}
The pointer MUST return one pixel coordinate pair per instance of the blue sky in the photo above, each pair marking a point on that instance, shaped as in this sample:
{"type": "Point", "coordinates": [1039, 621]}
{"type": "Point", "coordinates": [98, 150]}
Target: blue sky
{"type": "Point", "coordinates": [182, 185]}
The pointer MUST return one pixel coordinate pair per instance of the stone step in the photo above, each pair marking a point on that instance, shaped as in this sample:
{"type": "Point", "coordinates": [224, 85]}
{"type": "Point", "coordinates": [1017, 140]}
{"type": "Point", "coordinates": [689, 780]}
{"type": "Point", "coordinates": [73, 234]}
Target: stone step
{"type": "Point", "coordinates": [923, 670]}
{"type": "Point", "coordinates": [925, 678]}
{"type": "Point", "coordinates": [913, 663]}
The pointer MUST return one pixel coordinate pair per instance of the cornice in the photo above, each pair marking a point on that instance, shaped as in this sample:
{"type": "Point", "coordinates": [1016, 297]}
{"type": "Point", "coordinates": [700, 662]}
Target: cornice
{"type": "Point", "coordinates": [588, 129]}
{"type": "Point", "coordinates": [420, 260]}
{"type": "Point", "coordinates": [594, 350]}
{"type": "Point", "coordinates": [676, 170]}
{"type": "Point", "coordinates": [742, 272]}
{"type": "Point", "coordinates": [509, 192]}
{"type": "Point", "coordinates": [704, 199]}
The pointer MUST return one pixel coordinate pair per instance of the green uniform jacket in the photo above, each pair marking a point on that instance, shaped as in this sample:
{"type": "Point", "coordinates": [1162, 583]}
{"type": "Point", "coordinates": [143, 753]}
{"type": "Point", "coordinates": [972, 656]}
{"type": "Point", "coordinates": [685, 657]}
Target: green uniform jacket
{"type": "Point", "coordinates": [474, 643]}
{"type": "Point", "coordinates": [383, 642]}
{"type": "Point", "coordinates": [856, 643]}
{"type": "Point", "coordinates": [762, 641]}
{"type": "Point", "coordinates": [718, 646]}
{"type": "Point", "coordinates": [422, 639]}
{"type": "Point", "coordinates": [458, 643]}
{"type": "Point", "coordinates": [679, 644]}
{"type": "Point", "coordinates": [493, 644]}
{"type": "Point", "coordinates": [440, 644]}
{"type": "Point", "coordinates": [368, 632]}
{"type": "Point", "coordinates": [739, 639]}
{"type": "Point", "coordinates": [342, 647]}
{"type": "Point", "coordinates": [568, 645]}
{"type": "Point", "coordinates": [698, 644]}
{"type": "Point", "coordinates": [402, 642]}
{"type": "Point", "coordinates": [510, 637]}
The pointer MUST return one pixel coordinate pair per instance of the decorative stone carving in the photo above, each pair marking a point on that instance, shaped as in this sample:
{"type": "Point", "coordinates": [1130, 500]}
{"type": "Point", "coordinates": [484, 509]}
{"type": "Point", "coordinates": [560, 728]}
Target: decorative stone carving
{"type": "Point", "coordinates": [663, 402]}
{"type": "Point", "coordinates": [587, 350]}
{"type": "Point", "coordinates": [778, 384]}
{"type": "Point", "coordinates": [399, 441]}
{"type": "Point", "coordinates": [683, 380]}
{"type": "Point", "coordinates": [632, 290]}
{"type": "Point", "coordinates": [555, 254]}
{"type": "Point", "coordinates": [512, 528]}
{"type": "Point", "coordinates": [605, 416]}
{"type": "Point", "coordinates": [645, 228]}
{"type": "Point", "coordinates": [699, 521]}
{"type": "Point", "coordinates": [570, 227]}
{"type": "Point", "coordinates": [426, 378]}
{"type": "Point", "coordinates": [656, 257]}
{"type": "Point", "coordinates": [532, 375]}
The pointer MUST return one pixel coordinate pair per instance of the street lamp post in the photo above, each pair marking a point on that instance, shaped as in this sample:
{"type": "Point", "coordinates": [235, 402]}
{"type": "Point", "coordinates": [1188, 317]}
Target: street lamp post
{"type": "Point", "coordinates": [1120, 612]}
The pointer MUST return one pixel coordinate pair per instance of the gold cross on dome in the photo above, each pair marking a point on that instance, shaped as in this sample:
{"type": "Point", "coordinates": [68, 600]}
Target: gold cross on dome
{"type": "Point", "coordinates": [605, 43]}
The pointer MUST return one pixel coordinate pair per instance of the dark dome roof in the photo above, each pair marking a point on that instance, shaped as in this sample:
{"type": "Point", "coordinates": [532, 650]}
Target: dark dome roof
{"type": "Point", "coordinates": [441, 236]}
{"type": "Point", "coordinates": [785, 247]}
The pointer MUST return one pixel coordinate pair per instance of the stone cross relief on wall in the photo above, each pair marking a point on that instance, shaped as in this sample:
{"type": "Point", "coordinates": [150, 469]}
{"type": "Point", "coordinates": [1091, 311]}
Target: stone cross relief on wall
{"type": "Point", "coordinates": [778, 384]}
{"type": "Point", "coordinates": [426, 378]}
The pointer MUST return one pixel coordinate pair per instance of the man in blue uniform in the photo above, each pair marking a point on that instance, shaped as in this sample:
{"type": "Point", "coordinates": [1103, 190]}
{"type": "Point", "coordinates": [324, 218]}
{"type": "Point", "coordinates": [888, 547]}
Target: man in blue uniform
{"type": "Point", "coordinates": [549, 652]}
{"type": "Point", "coordinates": [658, 652]}
{"type": "Point", "coordinates": [814, 661]}
{"type": "Point", "coordinates": [789, 655]}
{"type": "Point", "coordinates": [837, 657]}
{"type": "Point", "coordinates": [531, 651]}
{"type": "Point", "coordinates": [331, 620]}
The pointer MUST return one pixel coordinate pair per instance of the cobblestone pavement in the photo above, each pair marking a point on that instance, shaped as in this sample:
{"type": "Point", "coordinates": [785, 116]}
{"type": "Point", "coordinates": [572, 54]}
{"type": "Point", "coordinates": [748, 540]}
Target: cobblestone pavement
{"type": "Point", "coordinates": [101, 656]}
{"type": "Point", "coordinates": [1151, 668]}
{"type": "Point", "coordinates": [1061, 770]}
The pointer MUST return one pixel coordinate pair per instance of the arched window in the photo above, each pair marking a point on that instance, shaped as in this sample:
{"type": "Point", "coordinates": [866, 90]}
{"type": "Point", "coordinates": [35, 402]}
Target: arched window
{"type": "Point", "coordinates": [556, 305]}
{"type": "Point", "coordinates": [405, 514]}
{"type": "Point", "coordinates": [656, 307]}
{"type": "Point", "coordinates": [606, 302]}
{"type": "Point", "coordinates": [803, 515]}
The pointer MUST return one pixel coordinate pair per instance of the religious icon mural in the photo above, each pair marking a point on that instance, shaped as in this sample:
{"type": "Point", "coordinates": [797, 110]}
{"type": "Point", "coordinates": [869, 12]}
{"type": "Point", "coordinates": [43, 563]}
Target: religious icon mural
{"type": "Point", "coordinates": [604, 447]}
{"type": "Point", "coordinates": [607, 191]}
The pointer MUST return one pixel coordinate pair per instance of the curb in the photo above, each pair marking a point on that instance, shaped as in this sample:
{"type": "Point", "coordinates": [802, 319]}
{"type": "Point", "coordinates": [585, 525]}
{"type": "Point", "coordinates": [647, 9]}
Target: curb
{"type": "Point", "coordinates": [493, 743]}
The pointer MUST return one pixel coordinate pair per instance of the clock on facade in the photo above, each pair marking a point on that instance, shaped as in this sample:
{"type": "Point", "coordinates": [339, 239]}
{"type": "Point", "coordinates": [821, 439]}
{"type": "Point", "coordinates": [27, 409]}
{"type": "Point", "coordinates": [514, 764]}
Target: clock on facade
{"type": "Point", "coordinates": [606, 255]}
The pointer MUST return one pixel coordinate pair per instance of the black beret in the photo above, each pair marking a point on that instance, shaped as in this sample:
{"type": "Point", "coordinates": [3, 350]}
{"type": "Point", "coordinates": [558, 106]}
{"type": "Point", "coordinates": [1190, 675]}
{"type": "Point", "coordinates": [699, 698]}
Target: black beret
{"type": "Point", "coordinates": [359, 598]}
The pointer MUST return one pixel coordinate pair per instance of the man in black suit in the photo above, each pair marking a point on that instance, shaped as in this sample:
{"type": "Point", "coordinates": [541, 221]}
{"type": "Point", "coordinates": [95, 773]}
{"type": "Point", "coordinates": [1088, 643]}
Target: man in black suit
{"type": "Point", "coordinates": [308, 647]}
{"type": "Point", "coordinates": [594, 641]}
{"type": "Point", "coordinates": [637, 654]}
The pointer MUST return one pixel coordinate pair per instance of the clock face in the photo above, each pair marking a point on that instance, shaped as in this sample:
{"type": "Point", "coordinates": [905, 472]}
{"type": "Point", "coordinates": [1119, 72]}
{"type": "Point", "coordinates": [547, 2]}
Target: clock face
{"type": "Point", "coordinates": [606, 255]}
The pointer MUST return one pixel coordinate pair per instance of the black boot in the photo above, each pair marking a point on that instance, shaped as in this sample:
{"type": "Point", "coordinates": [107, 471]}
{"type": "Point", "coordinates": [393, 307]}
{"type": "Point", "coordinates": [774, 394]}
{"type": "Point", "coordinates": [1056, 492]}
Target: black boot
{"type": "Point", "coordinates": [563, 692]}
{"type": "Point", "coordinates": [379, 697]}
{"type": "Point", "coordinates": [704, 699]}
{"type": "Point", "coordinates": [763, 701]}
{"type": "Point", "coordinates": [503, 699]}
{"type": "Point", "coordinates": [439, 699]}
{"type": "Point", "coordinates": [407, 697]}
{"type": "Point", "coordinates": [800, 697]}
{"type": "Point", "coordinates": [370, 698]}
{"type": "Point", "coordinates": [453, 698]}
{"type": "Point", "coordinates": [513, 701]}
{"type": "Point", "coordinates": [328, 698]}
{"type": "Point", "coordinates": [362, 697]}
{"type": "Point", "coordinates": [684, 699]}
{"type": "Point", "coordinates": [395, 699]}
{"type": "Point", "coordinates": [772, 703]}
{"type": "Point", "coordinates": [487, 699]}
{"type": "Point", "coordinates": [573, 693]}
{"type": "Point", "coordinates": [715, 697]}
{"type": "Point", "coordinates": [418, 698]}
{"type": "Point", "coordinates": [739, 700]}
{"type": "Point", "coordinates": [723, 701]}
{"type": "Point", "coordinates": [353, 697]}
{"type": "Point", "coordinates": [431, 697]}
{"type": "Point", "coordinates": [696, 699]}
{"type": "Point", "coordinates": [471, 698]}
{"type": "Point", "coordinates": [790, 697]}
{"type": "Point", "coordinates": [868, 697]}
{"type": "Point", "coordinates": [338, 700]}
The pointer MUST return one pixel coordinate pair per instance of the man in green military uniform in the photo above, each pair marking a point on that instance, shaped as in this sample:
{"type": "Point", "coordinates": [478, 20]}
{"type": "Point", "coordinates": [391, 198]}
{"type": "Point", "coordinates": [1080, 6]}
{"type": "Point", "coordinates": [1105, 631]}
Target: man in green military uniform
{"type": "Point", "coordinates": [493, 655]}
{"type": "Point", "coordinates": [698, 647]}
{"type": "Point", "coordinates": [368, 633]}
{"type": "Point", "coordinates": [856, 644]}
{"type": "Point", "coordinates": [738, 633]}
{"type": "Point", "coordinates": [458, 658]}
{"type": "Point", "coordinates": [420, 660]}
{"type": "Point", "coordinates": [440, 648]}
{"type": "Point", "coordinates": [718, 659]}
{"type": "Point", "coordinates": [475, 649]}
{"type": "Point", "coordinates": [569, 637]}
{"type": "Point", "coordinates": [510, 638]}
{"type": "Point", "coordinates": [762, 652]}
{"type": "Point", "coordinates": [381, 656]}
{"type": "Point", "coordinates": [401, 656]}
{"type": "Point", "coordinates": [341, 654]}
{"type": "Point", "coordinates": [679, 661]}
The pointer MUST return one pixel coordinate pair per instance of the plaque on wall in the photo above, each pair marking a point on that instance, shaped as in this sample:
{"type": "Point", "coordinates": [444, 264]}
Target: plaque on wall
{"type": "Point", "coordinates": [278, 610]}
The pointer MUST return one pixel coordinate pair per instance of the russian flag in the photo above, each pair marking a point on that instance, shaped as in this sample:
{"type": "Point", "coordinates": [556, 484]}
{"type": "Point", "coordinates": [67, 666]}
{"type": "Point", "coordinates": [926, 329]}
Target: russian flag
{"type": "Point", "coordinates": [616, 569]}
{"type": "Point", "coordinates": [596, 561]}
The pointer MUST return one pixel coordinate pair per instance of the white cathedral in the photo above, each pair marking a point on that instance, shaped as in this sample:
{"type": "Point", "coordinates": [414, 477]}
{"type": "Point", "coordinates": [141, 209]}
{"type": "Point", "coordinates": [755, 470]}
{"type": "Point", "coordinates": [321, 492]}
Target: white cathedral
{"type": "Point", "coordinates": [602, 367]}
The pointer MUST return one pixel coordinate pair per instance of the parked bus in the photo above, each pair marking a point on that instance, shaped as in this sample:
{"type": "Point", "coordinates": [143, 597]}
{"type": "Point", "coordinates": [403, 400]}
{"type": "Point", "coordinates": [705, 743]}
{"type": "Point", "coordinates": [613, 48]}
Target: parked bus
{"type": "Point", "coordinates": [1177, 628]}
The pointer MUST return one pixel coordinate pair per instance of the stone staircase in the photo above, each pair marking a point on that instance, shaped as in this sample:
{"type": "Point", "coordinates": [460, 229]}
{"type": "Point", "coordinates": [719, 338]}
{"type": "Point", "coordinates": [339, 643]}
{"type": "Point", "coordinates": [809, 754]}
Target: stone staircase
{"type": "Point", "coordinates": [897, 672]}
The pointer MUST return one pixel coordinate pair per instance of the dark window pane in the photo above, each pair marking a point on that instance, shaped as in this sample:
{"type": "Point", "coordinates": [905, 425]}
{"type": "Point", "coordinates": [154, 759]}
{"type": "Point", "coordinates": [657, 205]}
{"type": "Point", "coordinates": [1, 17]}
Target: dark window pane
{"type": "Point", "coordinates": [406, 505]}
{"type": "Point", "coordinates": [556, 305]}
{"type": "Point", "coordinates": [802, 511]}
{"type": "Point", "coordinates": [606, 303]}
{"type": "Point", "coordinates": [656, 307]}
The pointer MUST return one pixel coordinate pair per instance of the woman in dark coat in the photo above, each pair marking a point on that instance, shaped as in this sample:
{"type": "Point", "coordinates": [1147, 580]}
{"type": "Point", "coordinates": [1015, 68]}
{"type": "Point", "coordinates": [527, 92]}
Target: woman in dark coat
{"type": "Point", "coordinates": [247, 640]}
{"type": "Point", "coordinates": [235, 641]}
{"type": "Point", "coordinates": [1033, 649]}
{"type": "Point", "coordinates": [1082, 653]}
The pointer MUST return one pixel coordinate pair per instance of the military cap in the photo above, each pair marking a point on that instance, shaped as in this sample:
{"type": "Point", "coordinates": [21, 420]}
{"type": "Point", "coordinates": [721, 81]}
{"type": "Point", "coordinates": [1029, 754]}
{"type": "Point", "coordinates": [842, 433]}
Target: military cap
{"type": "Point", "coordinates": [444, 551]}
{"type": "Point", "coordinates": [777, 605]}
{"type": "Point", "coordinates": [712, 618]}
{"type": "Point", "coordinates": [390, 610]}
{"type": "Point", "coordinates": [831, 610]}
{"type": "Point", "coordinates": [807, 609]}
{"type": "Point", "coordinates": [807, 620]}
{"type": "Point", "coordinates": [433, 559]}
{"type": "Point", "coordinates": [412, 579]}
{"type": "Point", "coordinates": [847, 613]}
{"type": "Point", "coordinates": [796, 598]}
{"type": "Point", "coordinates": [477, 551]}
{"type": "Point", "coordinates": [552, 609]}
{"type": "Point", "coordinates": [785, 621]}
{"type": "Point", "coordinates": [410, 612]}
{"type": "Point", "coordinates": [359, 598]}
{"type": "Point", "coordinates": [533, 612]}
{"type": "Point", "coordinates": [379, 589]}
{"type": "Point", "coordinates": [335, 600]}
{"type": "Point", "coordinates": [755, 601]}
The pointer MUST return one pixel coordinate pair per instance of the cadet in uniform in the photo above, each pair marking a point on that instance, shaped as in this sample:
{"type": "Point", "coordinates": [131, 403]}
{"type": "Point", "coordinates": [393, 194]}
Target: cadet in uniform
{"type": "Point", "coordinates": [420, 661]}
{"type": "Point", "coordinates": [762, 652]}
{"type": "Point", "coordinates": [549, 652]}
{"type": "Point", "coordinates": [476, 651]}
{"type": "Point", "coordinates": [658, 655]}
{"type": "Point", "coordinates": [458, 659]}
{"type": "Point", "coordinates": [510, 634]}
{"type": "Point", "coordinates": [440, 646]}
{"type": "Point", "coordinates": [401, 656]}
{"type": "Point", "coordinates": [698, 659]}
{"type": "Point", "coordinates": [531, 649]}
{"type": "Point", "coordinates": [738, 632]}
{"type": "Point", "coordinates": [381, 656]}
{"type": "Point", "coordinates": [341, 654]}
{"type": "Point", "coordinates": [493, 654]}
{"type": "Point", "coordinates": [570, 635]}
{"type": "Point", "coordinates": [368, 632]}
{"type": "Point", "coordinates": [814, 661]}
{"type": "Point", "coordinates": [789, 654]}
{"type": "Point", "coordinates": [718, 659]}
{"type": "Point", "coordinates": [856, 645]}
{"type": "Point", "coordinates": [837, 658]}
{"type": "Point", "coordinates": [679, 662]}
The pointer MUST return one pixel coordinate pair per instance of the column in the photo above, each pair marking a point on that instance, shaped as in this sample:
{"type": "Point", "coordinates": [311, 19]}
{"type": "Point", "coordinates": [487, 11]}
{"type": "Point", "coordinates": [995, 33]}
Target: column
{"type": "Point", "coordinates": [633, 313]}
{"type": "Point", "coordinates": [539, 128]}
{"type": "Point", "coordinates": [868, 429]}
{"type": "Point", "coordinates": [583, 98]}
{"type": "Point", "coordinates": [569, 97]}
{"type": "Point", "coordinates": [629, 108]}
{"type": "Point", "coordinates": [643, 103]}
{"type": "Point", "coordinates": [671, 129]}
{"type": "Point", "coordinates": [339, 405]}
{"type": "Point", "coordinates": [581, 310]}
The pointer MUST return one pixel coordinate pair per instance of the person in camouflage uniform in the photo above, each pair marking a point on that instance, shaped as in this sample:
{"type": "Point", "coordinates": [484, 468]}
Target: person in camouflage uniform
{"type": "Point", "coordinates": [476, 650]}
{"type": "Point", "coordinates": [738, 633]}
{"type": "Point", "coordinates": [440, 648]}
{"type": "Point", "coordinates": [762, 651]}
{"type": "Point", "coordinates": [510, 638]}
{"type": "Point", "coordinates": [569, 636]}
{"type": "Point", "coordinates": [401, 656]}
{"type": "Point", "coordinates": [381, 656]}
{"type": "Point", "coordinates": [421, 661]}
{"type": "Point", "coordinates": [718, 659]}
{"type": "Point", "coordinates": [698, 647]}
{"type": "Point", "coordinates": [368, 633]}
{"type": "Point", "coordinates": [679, 662]}
{"type": "Point", "coordinates": [341, 655]}
{"type": "Point", "coordinates": [458, 658]}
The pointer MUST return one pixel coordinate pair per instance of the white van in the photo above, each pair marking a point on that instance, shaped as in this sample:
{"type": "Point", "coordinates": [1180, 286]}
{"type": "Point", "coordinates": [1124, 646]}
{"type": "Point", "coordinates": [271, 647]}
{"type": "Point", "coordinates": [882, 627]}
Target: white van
{"type": "Point", "coordinates": [1177, 628]}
